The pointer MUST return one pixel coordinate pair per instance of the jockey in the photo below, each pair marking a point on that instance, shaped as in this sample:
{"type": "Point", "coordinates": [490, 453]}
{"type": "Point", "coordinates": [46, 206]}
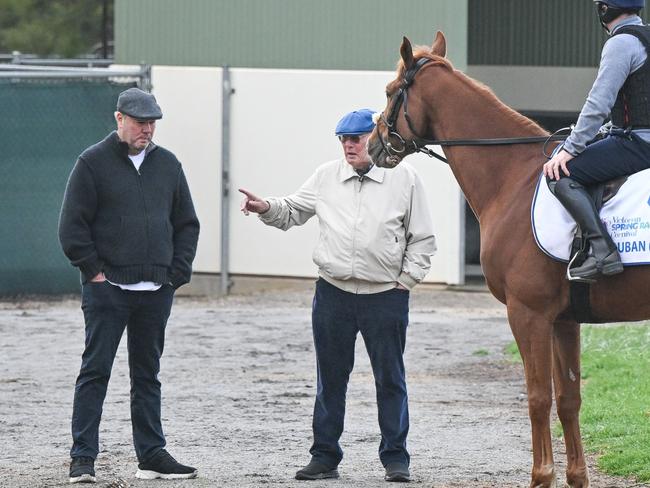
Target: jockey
{"type": "Point", "coordinates": [622, 91]}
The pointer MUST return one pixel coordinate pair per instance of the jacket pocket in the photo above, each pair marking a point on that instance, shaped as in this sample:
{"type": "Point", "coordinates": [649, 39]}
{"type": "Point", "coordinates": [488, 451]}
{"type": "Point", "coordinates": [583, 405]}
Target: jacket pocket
{"type": "Point", "coordinates": [320, 254]}
{"type": "Point", "coordinates": [396, 246]}
{"type": "Point", "coordinates": [388, 253]}
{"type": "Point", "coordinates": [161, 241]}
{"type": "Point", "coordinates": [130, 247]}
{"type": "Point", "coordinates": [121, 241]}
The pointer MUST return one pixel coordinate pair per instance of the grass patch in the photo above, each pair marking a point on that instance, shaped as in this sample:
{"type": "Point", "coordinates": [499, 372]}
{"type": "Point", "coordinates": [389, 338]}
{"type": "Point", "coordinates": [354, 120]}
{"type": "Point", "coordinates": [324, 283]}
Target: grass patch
{"type": "Point", "coordinates": [512, 353]}
{"type": "Point", "coordinates": [481, 352]}
{"type": "Point", "coordinates": [615, 414]}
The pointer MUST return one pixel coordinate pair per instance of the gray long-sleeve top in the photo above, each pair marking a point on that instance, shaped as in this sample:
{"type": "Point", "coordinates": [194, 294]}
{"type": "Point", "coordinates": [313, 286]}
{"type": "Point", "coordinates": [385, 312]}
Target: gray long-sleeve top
{"type": "Point", "coordinates": [622, 55]}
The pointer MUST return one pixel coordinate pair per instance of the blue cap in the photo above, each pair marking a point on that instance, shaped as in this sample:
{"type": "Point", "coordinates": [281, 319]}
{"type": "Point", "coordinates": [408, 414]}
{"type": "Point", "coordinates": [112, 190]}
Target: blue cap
{"type": "Point", "coordinates": [355, 123]}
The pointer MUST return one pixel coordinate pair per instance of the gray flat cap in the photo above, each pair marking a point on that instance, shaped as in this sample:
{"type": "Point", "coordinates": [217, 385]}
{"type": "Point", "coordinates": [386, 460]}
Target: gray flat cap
{"type": "Point", "coordinates": [138, 104]}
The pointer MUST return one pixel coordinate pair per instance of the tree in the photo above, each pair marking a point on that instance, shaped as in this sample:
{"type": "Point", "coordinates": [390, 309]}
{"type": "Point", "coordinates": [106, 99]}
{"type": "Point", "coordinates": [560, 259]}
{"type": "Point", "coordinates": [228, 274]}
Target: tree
{"type": "Point", "coordinates": [65, 28]}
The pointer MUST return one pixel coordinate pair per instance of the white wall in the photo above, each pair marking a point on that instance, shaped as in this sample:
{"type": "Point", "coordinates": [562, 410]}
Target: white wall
{"type": "Point", "coordinates": [282, 128]}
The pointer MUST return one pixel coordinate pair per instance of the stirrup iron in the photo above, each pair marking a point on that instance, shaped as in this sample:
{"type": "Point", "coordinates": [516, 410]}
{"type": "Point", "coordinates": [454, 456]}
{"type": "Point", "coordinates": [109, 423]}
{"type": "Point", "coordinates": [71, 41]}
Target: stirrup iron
{"type": "Point", "coordinates": [577, 279]}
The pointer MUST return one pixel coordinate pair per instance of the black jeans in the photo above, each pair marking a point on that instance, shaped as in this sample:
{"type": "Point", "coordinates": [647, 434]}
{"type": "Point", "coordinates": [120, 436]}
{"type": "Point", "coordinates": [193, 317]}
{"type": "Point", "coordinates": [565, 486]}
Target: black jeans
{"type": "Point", "coordinates": [107, 311]}
{"type": "Point", "coordinates": [382, 319]}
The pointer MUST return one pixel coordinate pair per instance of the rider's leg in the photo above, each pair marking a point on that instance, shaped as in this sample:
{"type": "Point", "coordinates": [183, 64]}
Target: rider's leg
{"type": "Point", "coordinates": [607, 159]}
{"type": "Point", "coordinates": [604, 257]}
{"type": "Point", "coordinates": [601, 161]}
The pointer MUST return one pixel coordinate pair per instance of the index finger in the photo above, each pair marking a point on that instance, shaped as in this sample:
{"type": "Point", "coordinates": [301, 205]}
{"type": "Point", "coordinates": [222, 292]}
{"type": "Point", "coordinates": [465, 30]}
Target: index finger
{"type": "Point", "coordinates": [248, 194]}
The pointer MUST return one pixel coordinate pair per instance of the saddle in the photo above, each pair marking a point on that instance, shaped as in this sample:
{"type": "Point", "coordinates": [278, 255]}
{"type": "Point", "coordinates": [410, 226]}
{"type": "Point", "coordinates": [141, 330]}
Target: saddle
{"type": "Point", "coordinates": [625, 210]}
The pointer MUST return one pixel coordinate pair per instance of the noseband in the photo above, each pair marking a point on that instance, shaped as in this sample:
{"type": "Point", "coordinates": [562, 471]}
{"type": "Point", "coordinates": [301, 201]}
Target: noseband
{"type": "Point", "coordinates": [418, 144]}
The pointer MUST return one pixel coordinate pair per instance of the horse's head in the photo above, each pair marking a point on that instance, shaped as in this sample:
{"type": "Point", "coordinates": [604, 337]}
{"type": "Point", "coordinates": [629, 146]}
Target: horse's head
{"type": "Point", "coordinates": [400, 125]}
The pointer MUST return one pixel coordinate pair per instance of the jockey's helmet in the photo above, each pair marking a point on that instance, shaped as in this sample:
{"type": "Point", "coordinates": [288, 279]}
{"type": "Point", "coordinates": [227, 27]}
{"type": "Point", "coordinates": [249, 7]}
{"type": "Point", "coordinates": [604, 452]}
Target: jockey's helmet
{"type": "Point", "coordinates": [631, 4]}
{"type": "Point", "coordinates": [608, 10]}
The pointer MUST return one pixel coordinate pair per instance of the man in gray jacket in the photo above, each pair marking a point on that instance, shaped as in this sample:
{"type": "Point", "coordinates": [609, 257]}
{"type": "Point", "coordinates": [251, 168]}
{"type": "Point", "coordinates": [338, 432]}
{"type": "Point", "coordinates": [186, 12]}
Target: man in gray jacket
{"type": "Point", "coordinates": [376, 241]}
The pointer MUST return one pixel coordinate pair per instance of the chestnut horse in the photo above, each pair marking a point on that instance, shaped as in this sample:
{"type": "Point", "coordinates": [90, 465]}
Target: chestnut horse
{"type": "Point", "coordinates": [439, 102]}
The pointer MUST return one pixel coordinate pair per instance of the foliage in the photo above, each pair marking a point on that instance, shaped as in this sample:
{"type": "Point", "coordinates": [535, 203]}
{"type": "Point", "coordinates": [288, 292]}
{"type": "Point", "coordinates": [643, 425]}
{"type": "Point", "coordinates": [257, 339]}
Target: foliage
{"type": "Point", "coordinates": [66, 28]}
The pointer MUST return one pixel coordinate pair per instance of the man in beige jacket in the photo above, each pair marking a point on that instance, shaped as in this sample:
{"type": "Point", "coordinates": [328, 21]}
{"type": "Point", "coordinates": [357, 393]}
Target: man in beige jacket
{"type": "Point", "coordinates": [376, 242]}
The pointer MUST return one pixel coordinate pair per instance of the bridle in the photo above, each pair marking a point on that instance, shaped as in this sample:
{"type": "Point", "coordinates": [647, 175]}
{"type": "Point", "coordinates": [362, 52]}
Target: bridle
{"type": "Point", "coordinates": [418, 144]}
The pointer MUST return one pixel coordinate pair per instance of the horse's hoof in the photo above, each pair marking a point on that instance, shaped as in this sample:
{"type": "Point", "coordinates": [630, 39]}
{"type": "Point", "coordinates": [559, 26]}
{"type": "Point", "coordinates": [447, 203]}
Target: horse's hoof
{"type": "Point", "coordinates": [582, 484]}
{"type": "Point", "coordinates": [552, 484]}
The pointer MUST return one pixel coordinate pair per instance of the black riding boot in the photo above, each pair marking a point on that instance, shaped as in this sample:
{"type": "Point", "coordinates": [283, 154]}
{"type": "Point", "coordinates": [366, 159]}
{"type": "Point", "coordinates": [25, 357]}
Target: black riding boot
{"type": "Point", "coordinates": [603, 257]}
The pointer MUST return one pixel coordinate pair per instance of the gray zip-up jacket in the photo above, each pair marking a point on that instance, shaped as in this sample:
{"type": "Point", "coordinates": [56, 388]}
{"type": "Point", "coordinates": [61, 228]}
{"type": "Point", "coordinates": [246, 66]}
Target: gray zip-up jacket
{"type": "Point", "coordinates": [622, 55]}
{"type": "Point", "coordinates": [375, 230]}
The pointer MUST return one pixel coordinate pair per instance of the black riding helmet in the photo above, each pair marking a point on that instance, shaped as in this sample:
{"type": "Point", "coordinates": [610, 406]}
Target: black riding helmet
{"type": "Point", "coordinates": [608, 10]}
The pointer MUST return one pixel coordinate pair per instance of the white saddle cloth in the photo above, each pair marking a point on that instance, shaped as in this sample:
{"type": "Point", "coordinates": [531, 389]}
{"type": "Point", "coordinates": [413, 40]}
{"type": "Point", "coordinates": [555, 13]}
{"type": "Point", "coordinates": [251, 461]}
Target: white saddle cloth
{"type": "Point", "coordinates": [626, 216]}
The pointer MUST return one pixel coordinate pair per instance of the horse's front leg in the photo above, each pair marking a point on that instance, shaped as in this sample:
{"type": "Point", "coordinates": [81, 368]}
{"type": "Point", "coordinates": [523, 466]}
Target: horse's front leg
{"type": "Point", "coordinates": [566, 375]}
{"type": "Point", "coordinates": [533, 333]}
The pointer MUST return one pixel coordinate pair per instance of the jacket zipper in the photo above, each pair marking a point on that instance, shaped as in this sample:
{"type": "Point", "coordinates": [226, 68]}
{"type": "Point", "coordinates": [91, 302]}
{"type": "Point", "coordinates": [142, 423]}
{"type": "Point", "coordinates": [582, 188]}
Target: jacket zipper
{"type": "Point", "coordinates": [144, 204]}
{"type": "Point", "coordinates": [356, 220]}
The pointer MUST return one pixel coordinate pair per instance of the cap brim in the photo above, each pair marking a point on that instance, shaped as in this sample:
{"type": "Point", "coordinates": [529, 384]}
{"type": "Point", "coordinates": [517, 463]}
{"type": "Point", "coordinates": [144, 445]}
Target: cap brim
{"type": "Point", "coordinates": [142, 117]}
{"type": "Point", "coordinates": [354, 133]}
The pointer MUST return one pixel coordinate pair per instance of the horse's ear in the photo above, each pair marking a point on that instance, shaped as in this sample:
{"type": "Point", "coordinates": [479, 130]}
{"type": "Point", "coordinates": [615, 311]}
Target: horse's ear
{"type": "Point", "coordinates": [439, 47]}
{"type": "Point", "coordinates": [406, 51]}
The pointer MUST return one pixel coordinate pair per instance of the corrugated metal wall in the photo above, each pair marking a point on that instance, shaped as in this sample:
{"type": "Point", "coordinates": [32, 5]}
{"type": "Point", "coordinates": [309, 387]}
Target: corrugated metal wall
{"type": "Point", "coordinates": [534, 33]}
{"type": "Point", "coordinates": [295, 34]}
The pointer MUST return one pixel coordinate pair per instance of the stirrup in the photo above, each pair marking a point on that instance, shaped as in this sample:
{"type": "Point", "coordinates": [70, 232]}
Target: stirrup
{"type": "Point", "coordinates": [577, 279]}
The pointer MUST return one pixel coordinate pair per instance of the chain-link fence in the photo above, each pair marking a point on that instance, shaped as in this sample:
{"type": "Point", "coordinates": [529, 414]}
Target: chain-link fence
{"type": "Point", "coordinates": [46, 123]}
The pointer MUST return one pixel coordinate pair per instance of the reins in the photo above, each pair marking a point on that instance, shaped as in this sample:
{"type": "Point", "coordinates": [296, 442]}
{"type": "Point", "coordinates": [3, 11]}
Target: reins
{"type": "Point", "coordinates": [488, 142]}
{"type": "Point", "coordinates": [401, 99]}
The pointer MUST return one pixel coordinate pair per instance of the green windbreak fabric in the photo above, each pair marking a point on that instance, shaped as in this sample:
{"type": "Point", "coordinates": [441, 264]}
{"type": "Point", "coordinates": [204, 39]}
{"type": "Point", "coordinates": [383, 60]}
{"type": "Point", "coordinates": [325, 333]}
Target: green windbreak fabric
{"type": "Point", "coordinates": [44, 126]}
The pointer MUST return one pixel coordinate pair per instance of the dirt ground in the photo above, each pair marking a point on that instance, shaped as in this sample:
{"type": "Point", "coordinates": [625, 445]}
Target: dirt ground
{"type": "Point", "coordinates": [238, 378]}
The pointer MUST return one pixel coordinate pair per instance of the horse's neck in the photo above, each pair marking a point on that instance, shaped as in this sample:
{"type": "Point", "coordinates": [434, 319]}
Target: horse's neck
{"type": "Point", "coordinates": [486, 174]}
{"type": "Point", "coordinates": [495, 176]}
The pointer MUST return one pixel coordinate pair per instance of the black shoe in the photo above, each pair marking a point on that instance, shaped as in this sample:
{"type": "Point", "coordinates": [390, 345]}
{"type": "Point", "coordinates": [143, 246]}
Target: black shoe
{"type": "Point", "coordinates": [82, 470]}
{"type": "Point", "coordinates": [163, 465]}
{"type": "Point", "coordinates": [397, 472]}
{"type": "Point", "coordinates": [317, 471]}
{"type": "Point", "coordinates": [609, 265]}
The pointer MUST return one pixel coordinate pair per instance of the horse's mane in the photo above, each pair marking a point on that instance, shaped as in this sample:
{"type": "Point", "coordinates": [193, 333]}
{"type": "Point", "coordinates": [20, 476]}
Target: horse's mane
{"type": "Point", "coordinates": [516, 117]}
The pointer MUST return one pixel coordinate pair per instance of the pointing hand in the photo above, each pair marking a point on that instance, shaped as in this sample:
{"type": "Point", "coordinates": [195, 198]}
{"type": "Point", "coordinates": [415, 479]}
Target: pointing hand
{"type": "Point", "coordinates": [253, 203]}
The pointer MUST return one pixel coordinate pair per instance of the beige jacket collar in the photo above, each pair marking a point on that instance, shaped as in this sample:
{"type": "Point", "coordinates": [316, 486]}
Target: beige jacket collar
{"type": "Point", "coordinates": [346, 171]}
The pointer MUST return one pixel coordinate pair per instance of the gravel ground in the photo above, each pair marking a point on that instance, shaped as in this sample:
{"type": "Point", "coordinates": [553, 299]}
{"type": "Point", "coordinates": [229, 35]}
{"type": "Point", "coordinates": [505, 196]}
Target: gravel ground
{"type": "Point", "coordinates": [238, 378]}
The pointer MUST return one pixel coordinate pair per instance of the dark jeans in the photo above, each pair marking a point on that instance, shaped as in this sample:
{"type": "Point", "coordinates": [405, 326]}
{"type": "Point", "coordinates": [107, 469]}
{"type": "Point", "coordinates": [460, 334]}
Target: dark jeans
{"type": "Point", "coordinates": [107, 311]}
{"type": "Point", "coordinates": [382, 318]}
{"type": "Point", "coordinates": [614, 156]}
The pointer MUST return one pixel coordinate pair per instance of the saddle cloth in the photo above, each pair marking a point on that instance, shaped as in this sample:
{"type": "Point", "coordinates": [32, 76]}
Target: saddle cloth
{"type": "Point", "coordinates": [626, 216]}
